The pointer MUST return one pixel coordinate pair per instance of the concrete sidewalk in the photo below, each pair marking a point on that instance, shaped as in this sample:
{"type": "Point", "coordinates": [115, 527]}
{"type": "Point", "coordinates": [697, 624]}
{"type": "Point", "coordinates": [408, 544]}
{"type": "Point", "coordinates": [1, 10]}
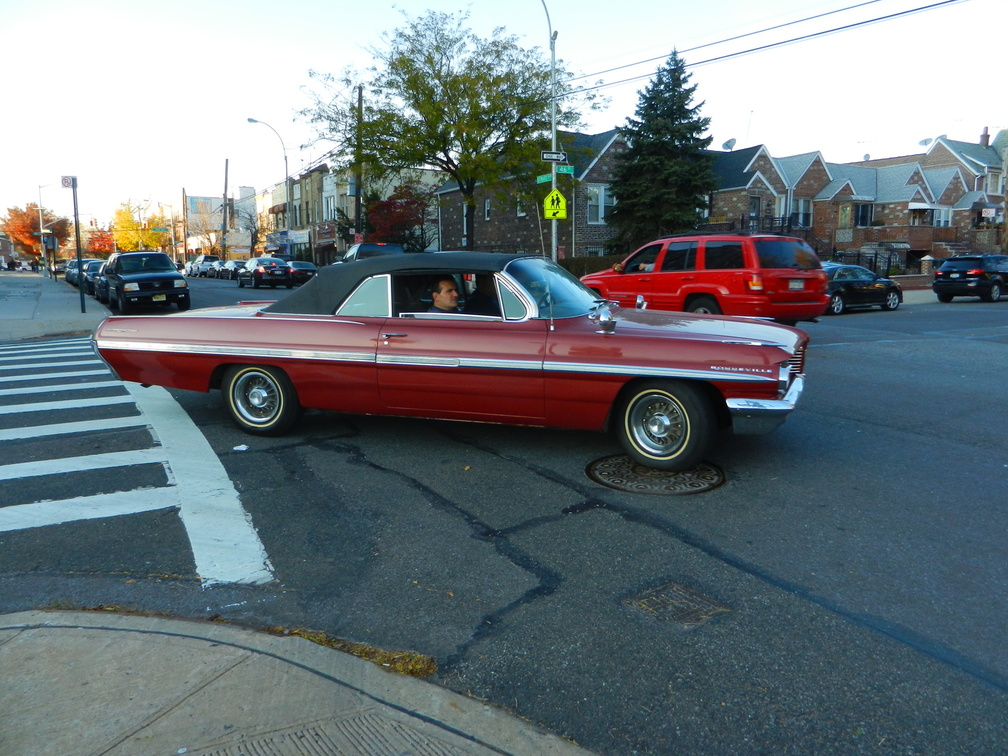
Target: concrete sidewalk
{"type": "Point", "coordinates": [34, 306]}
{"type": "Point", "coordinates": [130, 685]}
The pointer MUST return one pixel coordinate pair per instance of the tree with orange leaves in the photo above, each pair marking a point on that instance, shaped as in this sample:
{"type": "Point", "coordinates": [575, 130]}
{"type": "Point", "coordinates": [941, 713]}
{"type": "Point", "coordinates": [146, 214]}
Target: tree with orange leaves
{"type": "Point", "coordinates": [22, 226]}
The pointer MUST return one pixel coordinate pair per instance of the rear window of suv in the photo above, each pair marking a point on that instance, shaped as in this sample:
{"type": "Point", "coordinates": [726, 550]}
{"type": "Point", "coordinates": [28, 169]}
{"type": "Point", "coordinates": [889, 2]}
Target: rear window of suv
{"type": "Point", "coordinates": [964, 263]}
{"type": "Point", "coordinates": [786, 253]}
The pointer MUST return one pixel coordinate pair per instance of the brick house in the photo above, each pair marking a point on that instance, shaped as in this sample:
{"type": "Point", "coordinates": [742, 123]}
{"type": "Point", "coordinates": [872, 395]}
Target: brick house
{"type": "Point", "coordinates": [949, 199]}
{"type": "Point", "coordinates": [505, 224]}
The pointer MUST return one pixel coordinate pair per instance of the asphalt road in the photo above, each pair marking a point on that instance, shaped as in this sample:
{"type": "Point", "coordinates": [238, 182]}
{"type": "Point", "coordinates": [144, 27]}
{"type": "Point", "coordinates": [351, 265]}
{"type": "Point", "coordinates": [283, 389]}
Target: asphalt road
{"type": "Point", "coordinates": [847, 579]}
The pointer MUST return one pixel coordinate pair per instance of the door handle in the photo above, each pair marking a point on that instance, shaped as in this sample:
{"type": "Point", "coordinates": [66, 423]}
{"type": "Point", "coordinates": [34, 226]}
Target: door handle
{"type": "Point", "coordinates": [393, 335]}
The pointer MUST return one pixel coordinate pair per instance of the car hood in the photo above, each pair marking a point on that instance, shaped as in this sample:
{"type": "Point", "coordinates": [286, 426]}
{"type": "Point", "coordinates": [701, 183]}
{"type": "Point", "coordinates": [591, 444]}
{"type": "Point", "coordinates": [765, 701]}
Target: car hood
{"type": "Point", "coordinates": [151, 275]}
{"type": "Point", "coordinates": [705, 327]}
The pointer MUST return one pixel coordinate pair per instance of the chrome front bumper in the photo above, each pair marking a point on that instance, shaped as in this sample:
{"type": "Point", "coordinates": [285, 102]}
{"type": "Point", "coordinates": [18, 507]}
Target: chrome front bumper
{"type": "Point", "coordinates": [758, 416]}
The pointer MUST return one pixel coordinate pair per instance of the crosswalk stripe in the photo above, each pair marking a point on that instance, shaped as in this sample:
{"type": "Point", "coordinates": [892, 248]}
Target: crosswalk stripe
{"type": "Point", "coordinates": [64, 404]}
{"type": "Point", "coordinates": [43, 513]}
{"type": "Point", "coordinates": [52, 376]}
{"type": "Point", "coordinates": [43, 353]}
{"type": "Point", "coordinates": [81, 426]}
{"type": "Point", "coordinates": [65, 465]}
{"type": "Point", "coordinates": [62, 363]}
{"type": "Point", "coordinates": [58, 387]}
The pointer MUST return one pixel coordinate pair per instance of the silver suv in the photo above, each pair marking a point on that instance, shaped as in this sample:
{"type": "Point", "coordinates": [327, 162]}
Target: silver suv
{"type": "Point", "coordinates": [199, 266]}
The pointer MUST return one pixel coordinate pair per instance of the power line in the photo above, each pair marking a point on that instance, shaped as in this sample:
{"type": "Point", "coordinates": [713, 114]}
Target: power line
{"type": "Point", "coordinates": [731, 39]}
{"type": "Point", "coordinates": [771, 45]}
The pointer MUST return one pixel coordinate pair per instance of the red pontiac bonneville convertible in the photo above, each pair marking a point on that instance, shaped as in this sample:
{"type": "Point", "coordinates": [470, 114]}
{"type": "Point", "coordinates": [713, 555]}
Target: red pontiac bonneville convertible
{"type": "Point", "coordinates": [529, 345]}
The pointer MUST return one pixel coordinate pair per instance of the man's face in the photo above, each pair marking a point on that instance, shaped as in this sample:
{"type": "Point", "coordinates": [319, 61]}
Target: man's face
{"type": "Point", "coordinates": [446, 296]}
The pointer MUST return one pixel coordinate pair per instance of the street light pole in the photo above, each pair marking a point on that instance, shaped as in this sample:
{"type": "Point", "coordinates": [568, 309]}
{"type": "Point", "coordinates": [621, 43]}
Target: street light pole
{"type": "Point", "coordinates": [553, 128]}
{"type": "Point", "coordinates": [41, 236]}
{"type": "Point", "coordinates": [287, 191]}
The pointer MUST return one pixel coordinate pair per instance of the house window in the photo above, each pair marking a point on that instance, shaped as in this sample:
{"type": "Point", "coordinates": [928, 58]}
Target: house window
{"type": "Point", "coordinates": [599, 201]}
{"type": "Point", "coordinates": [520, 211]}
{"type": "Point", "coordinates": [994, 183]}
{"type": "Point", "coordinates": [801, 213]}
{"type": "Point", "coordinates": [465, 221]}
{"type": "Point", "coordinates": [863, 215]}
{"type": "Point", "coordinates": [943, 216]}
{"type": "Point", "coordinates": [486, 210]}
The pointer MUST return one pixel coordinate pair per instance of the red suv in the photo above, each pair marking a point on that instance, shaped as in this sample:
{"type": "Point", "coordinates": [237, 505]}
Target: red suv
{"type": "Point", "coordinates": [762, 276]}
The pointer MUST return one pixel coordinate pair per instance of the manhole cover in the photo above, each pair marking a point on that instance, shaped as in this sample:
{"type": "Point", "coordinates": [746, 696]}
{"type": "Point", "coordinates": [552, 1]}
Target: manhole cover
{"type": "Point", "coordinates": [623, 474]}
{"type": "Point", "coordinates": [676, 603]}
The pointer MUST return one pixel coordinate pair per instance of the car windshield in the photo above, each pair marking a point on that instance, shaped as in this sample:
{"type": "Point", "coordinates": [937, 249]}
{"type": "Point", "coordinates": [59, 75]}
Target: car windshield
{"type": "Point", "coordinates": [786, 253]}
{"type": "Point", "coordinates": [557, 293]}
{"type": "Point", "coordinates": [136, 263]}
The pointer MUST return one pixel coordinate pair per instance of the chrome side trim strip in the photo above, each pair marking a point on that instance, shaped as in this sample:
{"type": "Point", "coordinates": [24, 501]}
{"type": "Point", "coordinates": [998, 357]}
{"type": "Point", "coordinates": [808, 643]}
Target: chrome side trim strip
{"type": "Point", "coordinates": [657, 372]}
{"type": "Point", "coordinates": [245, 353]}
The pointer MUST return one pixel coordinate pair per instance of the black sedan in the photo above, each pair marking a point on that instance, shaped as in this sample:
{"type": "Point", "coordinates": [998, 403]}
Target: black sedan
{"type": "Point", "coordinates": [265, 271]}
{"type": "Point", "coordinates": [302, 271]}
{"type": "Point", "coordinates": [853, 286]}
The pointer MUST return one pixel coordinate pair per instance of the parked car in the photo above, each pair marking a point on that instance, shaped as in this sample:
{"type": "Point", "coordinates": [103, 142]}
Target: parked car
{"type": "Point", "coordinates": [360, 339]}
{"type": "Point", "coordinates": [213, 271]}
{"type": "Point", "coordinates": [302, 271]}
{"type": "Point", "coordinates": [854, 286]}
{"type": "Point", "coordinates": [765, 276]}
{"type": "Point", "coordinates": [101, 284]}
{"type": "Point", "coordinates": [139, 278]}
{"type": "Point", "coordinates": [72, 273]}
{"type": "Point", "coordinates": [90, 273]}
{"type": "Point", "coordinates": [371, 249]}
{"type": "Point", "coordinates": [199, 265]}
{"type": "Point", "coordinates": [984, 276]}
{"type": "Point", "coordinates": [265, 271]}
{"type": "Point", "coordinates": [230, 269]}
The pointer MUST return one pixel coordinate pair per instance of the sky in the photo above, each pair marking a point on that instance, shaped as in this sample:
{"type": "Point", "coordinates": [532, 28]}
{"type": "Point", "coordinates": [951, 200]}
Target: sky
{"type": "Point", "coordinates": [142, 99]}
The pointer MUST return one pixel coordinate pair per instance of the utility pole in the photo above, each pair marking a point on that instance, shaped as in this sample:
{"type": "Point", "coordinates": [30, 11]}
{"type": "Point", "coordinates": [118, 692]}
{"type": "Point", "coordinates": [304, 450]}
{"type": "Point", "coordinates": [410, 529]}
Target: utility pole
{"type": "Point", "coordinates": [224, 215]}
{"type": "Point", "coordinates": [358, 170]}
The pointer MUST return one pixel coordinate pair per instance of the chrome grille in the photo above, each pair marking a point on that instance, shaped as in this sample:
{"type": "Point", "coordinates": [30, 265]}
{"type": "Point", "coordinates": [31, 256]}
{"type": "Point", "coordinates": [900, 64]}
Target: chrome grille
{"type": "Point", "coordinates": [796, 365]}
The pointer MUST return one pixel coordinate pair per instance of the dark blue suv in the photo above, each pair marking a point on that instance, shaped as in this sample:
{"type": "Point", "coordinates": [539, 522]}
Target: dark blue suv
{"type": "Point", "coordinates": [983, 276]}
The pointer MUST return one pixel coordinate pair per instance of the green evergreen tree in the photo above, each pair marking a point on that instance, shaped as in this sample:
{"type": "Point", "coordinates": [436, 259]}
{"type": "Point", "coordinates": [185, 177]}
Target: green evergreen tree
{"type": "Point", "coordinates": [663, 179]}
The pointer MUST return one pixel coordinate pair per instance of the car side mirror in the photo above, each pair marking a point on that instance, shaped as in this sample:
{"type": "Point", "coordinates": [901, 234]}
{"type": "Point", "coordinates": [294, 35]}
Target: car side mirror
{"type": "Point", "coordinates": [618, 268]}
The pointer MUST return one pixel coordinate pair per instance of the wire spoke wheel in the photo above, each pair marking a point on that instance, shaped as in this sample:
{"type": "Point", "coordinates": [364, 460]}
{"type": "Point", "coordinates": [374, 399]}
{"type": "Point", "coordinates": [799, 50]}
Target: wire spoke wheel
{"type": "Point", "coordinates": [667, 425]}
{"type": "Point", "coordinates": [261, 400]}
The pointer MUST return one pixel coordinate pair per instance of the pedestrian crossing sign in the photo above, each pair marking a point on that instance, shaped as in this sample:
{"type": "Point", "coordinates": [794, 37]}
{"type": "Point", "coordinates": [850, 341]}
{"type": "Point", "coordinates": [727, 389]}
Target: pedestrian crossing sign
{"type": "Point", "coordinates": [555, 206]}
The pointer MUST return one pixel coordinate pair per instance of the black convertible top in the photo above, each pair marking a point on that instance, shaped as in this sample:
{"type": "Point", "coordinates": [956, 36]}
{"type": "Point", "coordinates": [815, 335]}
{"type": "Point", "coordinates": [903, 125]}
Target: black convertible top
{"type": "Point", "coordinates": [334, 283]}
